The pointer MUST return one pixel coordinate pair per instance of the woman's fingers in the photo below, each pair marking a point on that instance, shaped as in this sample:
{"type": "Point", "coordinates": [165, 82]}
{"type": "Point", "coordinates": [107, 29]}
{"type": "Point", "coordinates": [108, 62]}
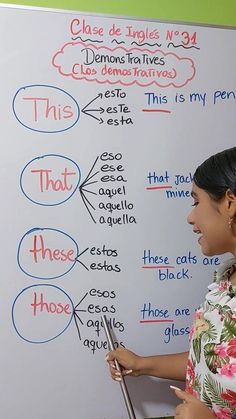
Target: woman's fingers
{"type": "Point", "coordinates": [116, 373]}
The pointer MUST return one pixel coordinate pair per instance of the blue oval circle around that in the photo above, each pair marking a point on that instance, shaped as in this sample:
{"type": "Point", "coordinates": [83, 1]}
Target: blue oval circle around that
{"type": "Point", "coordinates": [42, 157]}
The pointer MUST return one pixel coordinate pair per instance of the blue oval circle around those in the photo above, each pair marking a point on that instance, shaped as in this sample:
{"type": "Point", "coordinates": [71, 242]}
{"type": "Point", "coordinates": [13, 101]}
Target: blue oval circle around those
{"type": "Point", "coordinates": [54, 337]}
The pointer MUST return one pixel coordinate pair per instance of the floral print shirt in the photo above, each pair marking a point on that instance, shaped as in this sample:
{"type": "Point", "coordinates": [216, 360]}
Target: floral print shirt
{"type": "Point", "coordinates": [211, 369]}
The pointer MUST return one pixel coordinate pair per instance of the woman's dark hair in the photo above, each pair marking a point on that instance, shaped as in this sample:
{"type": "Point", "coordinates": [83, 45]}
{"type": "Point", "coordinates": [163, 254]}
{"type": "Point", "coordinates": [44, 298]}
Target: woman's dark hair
{"type": "Point", "coordinates": [217, 174]}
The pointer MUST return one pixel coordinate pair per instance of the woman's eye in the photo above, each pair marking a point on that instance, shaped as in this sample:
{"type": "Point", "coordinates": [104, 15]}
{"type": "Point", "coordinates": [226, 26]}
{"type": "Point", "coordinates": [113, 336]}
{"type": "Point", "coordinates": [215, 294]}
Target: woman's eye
{"type": "Point", "coordinates": [195, 204]}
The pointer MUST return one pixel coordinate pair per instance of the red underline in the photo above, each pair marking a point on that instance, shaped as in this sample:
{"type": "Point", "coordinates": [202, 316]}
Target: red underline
{"type": "Point", "coordinates": [156, 110]}
{"type": "Point", "coordinates": [149, 188]}
{"type": "Point", "coordinates": [158, 267]}
{"type": "Point", "coordinates": [156, 321]}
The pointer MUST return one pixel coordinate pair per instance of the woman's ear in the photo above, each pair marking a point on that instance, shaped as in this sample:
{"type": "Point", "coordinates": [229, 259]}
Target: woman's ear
{"type": "Point", "coordinates": [230, 199]}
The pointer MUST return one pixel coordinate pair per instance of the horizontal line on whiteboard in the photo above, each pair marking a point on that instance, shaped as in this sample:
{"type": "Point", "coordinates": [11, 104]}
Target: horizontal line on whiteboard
{"type": "Point", "coordinates": [156, 321]}
{"type": "Point", "coordinates": [158, 267]}
{"type": "Point", "coordinates": [150, 188]}
{"type": "Point", "coordinates": [157, 110]}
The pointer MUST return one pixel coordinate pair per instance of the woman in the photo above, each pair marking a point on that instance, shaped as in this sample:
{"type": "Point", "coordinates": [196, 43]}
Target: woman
{"type": "Point", "coordinates": [209, 368]}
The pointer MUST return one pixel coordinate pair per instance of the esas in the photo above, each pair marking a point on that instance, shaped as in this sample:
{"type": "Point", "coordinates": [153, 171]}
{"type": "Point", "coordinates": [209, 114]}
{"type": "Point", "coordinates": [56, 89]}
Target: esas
{"type": "Point", "coordinates": [97, 309]}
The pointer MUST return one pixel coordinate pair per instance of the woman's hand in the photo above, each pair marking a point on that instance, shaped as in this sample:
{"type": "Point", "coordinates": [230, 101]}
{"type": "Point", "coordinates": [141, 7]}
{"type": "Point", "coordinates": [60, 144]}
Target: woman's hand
{"type": "Point", "coordinates": [191, 408]}
{"type": "Point", "coordinates": [128, 361]}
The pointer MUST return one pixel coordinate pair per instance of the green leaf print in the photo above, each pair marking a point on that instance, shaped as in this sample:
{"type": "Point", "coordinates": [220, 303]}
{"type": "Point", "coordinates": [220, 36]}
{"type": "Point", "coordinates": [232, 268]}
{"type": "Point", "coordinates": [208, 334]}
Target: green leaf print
{"type": "Point", "coordinates": [224, 310]}
{"type": "Point", "coordinates": [211, 357]}
{"type": "Point", "coordinates": [213, 361]}
{"type": "Point", "coordinates": [197, 384]}
{"type": "Point", "coordinates": [210, 333]}
{"type": "Point", "coordinates": [204, 331]}
{"type": "Point", "coordinates": [229, 330]}
{"type": "Point", "coordinates": [213, 392]}
{"type": "Point", "coordinates": [197, 348]}
{"type": "Point", "coordinates": [206, 399]}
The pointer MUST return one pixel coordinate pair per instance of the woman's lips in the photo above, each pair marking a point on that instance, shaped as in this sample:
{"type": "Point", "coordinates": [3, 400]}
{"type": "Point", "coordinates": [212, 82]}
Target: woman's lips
{"type": "Point", "coordinates": [199, 239]}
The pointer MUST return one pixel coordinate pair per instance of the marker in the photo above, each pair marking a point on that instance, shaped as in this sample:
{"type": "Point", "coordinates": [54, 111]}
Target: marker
{"type": "Point", "coordinates": [121, 379]}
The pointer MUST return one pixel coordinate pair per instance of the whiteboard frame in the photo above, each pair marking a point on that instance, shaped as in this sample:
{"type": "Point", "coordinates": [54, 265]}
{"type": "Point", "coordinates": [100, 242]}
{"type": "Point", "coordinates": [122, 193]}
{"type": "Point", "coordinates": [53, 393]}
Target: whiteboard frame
{"type": "Point", "coordinates": [111, 15]}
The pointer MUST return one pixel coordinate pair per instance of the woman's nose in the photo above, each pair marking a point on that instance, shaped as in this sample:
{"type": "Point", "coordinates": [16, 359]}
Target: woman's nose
{"type": "Point", "coordinates": [190, 218]}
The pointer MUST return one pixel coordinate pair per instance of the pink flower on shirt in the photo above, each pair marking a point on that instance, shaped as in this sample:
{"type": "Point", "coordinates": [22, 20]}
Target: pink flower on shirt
{"type": "Point", "coordinates": [230, 396]}
{"type": "Point", "coordinates": [228, 370]}
{"type": "Point", "coordinates": [190, 379]}
{"type": "Point", "coordinates": [231, 350]}
{"type": "Point", "coordinates": [223, 285]}
{"type": "Point", "coordinates": [221, 351]}
{"type": "Point", "coordinates": [190, 370]}
{"type": "Point", "coordinates": [192, 332]}
{"type": "Point", "coordinates": [198, 314]}
{"type": "Point", "coordinates": [223, 413]}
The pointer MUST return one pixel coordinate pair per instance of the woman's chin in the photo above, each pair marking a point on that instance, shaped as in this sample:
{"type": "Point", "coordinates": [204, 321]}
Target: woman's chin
{"type": "Point", "coordinates": [206, 251]}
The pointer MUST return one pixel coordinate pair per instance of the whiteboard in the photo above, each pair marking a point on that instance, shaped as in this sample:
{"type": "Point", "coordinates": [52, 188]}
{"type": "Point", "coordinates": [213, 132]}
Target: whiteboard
{"type": "Point", "coordinates": [103, 122]}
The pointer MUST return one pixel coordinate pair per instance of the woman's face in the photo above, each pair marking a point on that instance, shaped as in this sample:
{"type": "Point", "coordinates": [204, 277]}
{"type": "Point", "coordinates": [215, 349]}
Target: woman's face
{"type": "Point", "coordinates": [210, 220]}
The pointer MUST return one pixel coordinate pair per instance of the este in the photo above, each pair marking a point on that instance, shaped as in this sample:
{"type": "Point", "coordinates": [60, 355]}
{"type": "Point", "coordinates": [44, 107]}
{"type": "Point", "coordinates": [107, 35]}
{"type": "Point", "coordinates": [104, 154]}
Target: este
{"type": "Point", "coordinates": [45, 253]}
